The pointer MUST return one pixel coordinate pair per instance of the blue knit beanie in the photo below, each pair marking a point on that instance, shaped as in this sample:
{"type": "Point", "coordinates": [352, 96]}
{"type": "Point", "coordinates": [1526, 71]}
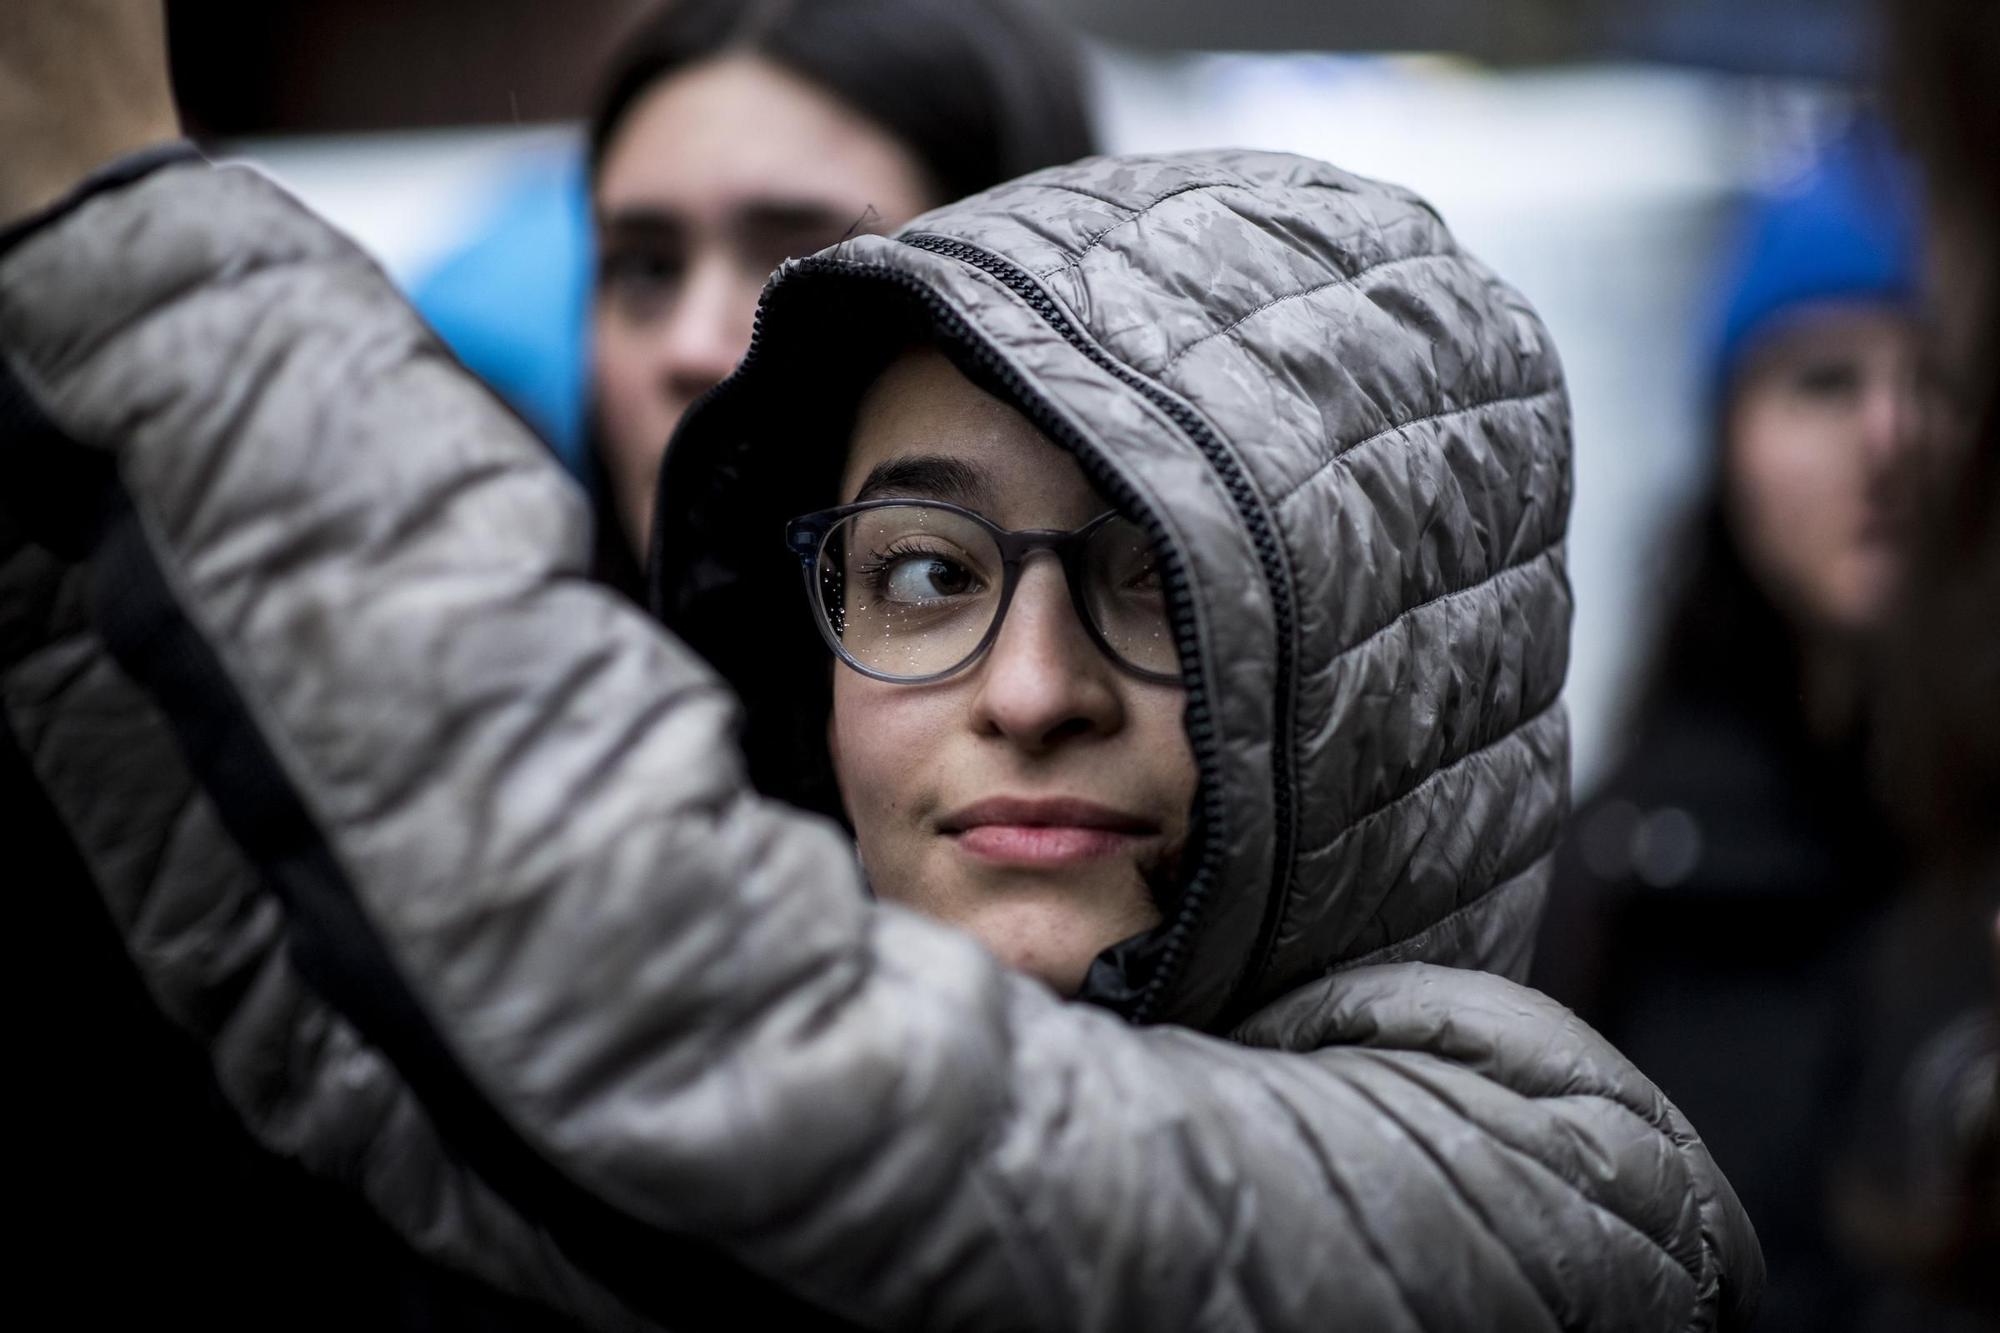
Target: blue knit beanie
{"type": "Point", "coordinates": [1845, 231]}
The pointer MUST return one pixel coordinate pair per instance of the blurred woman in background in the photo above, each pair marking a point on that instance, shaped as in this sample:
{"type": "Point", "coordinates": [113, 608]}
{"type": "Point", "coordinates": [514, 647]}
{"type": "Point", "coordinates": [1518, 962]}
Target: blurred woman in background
{"type": "Point", "coordinates": [1712, 899]}
{"type": "Point", "coordinates": [1918, 1195]}
{"type": "Point", "coordinates": [731, 137]}
{"type": "Point", "coordinates": [728, 137]}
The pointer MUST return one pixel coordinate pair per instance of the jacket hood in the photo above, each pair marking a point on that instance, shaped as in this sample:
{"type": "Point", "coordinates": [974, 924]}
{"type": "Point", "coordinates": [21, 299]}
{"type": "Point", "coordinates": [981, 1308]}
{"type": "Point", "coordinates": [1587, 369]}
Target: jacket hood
{"type": "Point", "coordinates": [1351, 440]}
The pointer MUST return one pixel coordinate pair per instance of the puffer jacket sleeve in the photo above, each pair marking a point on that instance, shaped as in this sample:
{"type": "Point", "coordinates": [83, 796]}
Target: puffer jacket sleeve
{"type": "Point", "coordinates": [210, 946]}
{"type": "Point", "coordinates": [511, 832]}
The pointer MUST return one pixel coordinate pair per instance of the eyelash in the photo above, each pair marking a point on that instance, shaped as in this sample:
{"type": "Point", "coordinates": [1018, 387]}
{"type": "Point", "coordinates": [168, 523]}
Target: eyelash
{"type": "Point", "coordinates": [633, 270]}
{"type": "Point", "coordinates": [1830, 377]}
{"type": "Point", "coordinates": [873, 571]}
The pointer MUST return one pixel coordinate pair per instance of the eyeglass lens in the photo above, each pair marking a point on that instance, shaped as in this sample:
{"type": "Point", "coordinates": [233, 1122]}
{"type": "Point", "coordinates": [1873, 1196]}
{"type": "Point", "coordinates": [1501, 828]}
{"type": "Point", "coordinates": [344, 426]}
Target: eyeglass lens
{"type": "Point", "coordinates": [910, 590]}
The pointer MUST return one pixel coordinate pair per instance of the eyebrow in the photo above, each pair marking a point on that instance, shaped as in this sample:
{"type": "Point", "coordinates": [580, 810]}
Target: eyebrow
{"type": "Point", "coordinates": [925, 477]}
{"type": "Point", "coordinates": [640, 222]}
{"type": "Point", "coordinates": [765, 215]}
{"type": "Point", "coordinates": [783, 215]}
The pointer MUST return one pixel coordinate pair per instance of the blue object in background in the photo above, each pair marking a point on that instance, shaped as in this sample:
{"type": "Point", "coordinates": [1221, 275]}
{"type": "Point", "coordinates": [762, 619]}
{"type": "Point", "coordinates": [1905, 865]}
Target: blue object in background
{"type": "Point", "coordinates": [513, 302]}
{"type": "Point", "coordinates": [1836, 40]}
{"type": "Point", "coordinates": [1846, 231]}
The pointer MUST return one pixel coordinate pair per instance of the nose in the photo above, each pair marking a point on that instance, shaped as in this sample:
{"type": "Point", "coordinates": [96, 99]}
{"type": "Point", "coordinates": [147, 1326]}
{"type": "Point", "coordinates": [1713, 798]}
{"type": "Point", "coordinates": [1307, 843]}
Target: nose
{"type": "Point", "coordinates": [706, 331]}
{"type": "Point", "coordinates": [1893, 415]}
{"type": "Point", "coordinates": [1044, 682]}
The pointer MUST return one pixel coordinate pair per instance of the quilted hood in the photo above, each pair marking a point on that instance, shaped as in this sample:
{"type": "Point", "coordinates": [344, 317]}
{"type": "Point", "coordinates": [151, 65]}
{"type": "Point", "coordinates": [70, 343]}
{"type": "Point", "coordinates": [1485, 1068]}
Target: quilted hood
{"type": "Point", "coordinates": [1353, 442]}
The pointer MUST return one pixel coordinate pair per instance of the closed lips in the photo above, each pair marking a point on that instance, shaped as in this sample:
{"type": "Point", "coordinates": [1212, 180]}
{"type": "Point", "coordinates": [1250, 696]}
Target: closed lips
{"type": "Point", "coordinates": [1045, 813]}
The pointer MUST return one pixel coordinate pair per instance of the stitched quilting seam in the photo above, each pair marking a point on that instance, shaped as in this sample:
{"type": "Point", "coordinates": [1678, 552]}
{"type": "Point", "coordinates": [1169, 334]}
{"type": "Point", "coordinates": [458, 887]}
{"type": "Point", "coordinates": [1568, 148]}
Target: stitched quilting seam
{"type": "Point", "coordinates": [1090, 243]}
{"type": "Point", "coordinates": [1443, 770]}
{"type": "Point", "coordinates": [1512, 566]}
{"type": "Point", "coordinates": [1510, 877]}
{"type": "Point", "coordinates": [1535, 1164]}
{"type": "Point", "coordinates": [1504, 885]}
{"type": "Point", "coordinates": [1478, 1207]}
{"type": "Point", "coordinates": [1445, 414]}
{"type": "Point", "coordinates": [1345, 280]}
{"type": "Point", "coordinates": [1340, 1187]}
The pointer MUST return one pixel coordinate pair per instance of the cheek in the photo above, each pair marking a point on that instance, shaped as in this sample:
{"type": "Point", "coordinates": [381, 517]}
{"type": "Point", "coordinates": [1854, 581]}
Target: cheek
{"type": "Point", "coordinates": [1798, 499]}
{"type": "Point", "coordinates": [878, 736]}
{"type": "Point", "coordinates": [620, 381]}
{"type": "Point", "coordinates": [1790, 489]}
{"type": "Point", "coordinates": [1158, 718]}
{"type": "Point", "coordinates": [633, 419]}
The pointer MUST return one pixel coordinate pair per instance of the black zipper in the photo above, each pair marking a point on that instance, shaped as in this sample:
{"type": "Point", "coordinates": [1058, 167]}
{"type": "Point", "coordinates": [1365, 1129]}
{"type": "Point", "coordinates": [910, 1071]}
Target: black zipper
{"type": "Point", "coordinates": [1270, 557]}
{"type": "Point", "coordinates": [1180, 602]}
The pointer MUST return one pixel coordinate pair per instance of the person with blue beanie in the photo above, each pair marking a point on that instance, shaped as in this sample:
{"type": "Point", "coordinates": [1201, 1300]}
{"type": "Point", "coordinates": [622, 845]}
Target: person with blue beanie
{"type": "Point", "coordinates": [1845, 231]}
{"type": "Point", "coordinates": [1714, 898]}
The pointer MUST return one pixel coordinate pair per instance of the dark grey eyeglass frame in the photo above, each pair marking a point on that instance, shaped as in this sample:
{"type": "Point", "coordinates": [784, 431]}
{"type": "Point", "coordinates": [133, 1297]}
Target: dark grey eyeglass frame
{"type": "Point", "coordinates": [807, 536]}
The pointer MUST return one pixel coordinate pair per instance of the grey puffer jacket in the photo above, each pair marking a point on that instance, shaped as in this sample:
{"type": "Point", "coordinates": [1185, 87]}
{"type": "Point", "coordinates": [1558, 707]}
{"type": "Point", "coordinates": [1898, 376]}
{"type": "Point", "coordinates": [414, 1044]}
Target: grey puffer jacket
{"type": "Point", "coordinates": [518, 845]}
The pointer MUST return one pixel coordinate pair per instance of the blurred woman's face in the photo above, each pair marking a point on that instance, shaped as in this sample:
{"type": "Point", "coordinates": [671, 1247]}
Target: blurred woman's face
{"type": "Point", "coordinates": [716, 176]}
{"type": "Point", "coordinates": [1039, 796]}
{"type": "Point", "coordinates": [1822, 435]}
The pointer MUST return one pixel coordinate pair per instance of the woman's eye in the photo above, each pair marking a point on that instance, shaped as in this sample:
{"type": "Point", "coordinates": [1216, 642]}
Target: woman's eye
{"type": "Point", "coordinates": [1144, 578]}
{"type": "Point", "coordinates": [1130, 567]}
{"type": "Point", "coordinates": [638, 279]}
{"type": "Point", "coordinates": [925, 578]}
{"type": "Point", "coordinates": [1827, 379]}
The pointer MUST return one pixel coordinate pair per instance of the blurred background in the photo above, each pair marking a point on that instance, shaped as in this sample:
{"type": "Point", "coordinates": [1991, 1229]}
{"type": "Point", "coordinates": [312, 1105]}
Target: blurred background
{"type": "Point", "coordinates": [1589, 150]}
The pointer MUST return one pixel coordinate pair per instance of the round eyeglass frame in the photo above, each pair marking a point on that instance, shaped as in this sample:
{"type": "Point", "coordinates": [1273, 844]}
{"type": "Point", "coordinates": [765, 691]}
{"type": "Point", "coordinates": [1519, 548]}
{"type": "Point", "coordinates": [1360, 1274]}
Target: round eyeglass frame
{"type": "Point", "coordinates": [807, 535]}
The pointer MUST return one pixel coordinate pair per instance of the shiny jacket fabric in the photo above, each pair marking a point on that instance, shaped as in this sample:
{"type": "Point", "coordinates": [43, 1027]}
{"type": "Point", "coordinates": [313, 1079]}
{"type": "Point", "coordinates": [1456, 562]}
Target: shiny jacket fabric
{"type": "Point", "coordinates": [520, 851]}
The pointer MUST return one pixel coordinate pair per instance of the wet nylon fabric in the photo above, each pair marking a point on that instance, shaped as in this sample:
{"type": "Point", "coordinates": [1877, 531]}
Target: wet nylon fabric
{"type": "Point", "coordinates": [677, 991]}
{"type": "Point", "coordinates": [210, 945]}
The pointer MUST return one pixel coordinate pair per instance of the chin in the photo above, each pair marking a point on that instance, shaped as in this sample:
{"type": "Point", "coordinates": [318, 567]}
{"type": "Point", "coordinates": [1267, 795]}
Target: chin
{"type": "Point", "coordinates": [1062, 975]}
{"type": "Point", "coordinates": [1053, 935]}
{"type": "Point", "coordinates": [1858, 608]}
{"type": "Point", "coordinates": [1048, 923]}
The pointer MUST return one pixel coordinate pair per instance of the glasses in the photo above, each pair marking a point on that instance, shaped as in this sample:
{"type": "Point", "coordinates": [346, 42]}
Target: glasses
{"type": "Point", "coordinates": [915, 590]}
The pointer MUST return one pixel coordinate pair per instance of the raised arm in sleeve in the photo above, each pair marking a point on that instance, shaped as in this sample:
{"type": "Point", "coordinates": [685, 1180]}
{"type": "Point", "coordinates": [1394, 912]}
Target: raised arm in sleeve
{"type": "Point", "coordinates": [513, 838]}
{"type": "Point", "coordinates": [210, 948]}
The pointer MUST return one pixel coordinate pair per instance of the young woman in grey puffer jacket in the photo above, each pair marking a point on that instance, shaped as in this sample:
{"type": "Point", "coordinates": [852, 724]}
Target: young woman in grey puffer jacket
{"type": "Point", "coordinates": [1269, 788]}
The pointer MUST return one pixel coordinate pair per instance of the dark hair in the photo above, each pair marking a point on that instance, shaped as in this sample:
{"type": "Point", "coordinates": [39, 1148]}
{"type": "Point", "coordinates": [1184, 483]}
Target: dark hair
{"type": "Point", "coordinates": [1942, 692]}
{"type": "Point", "coordinates": [1722, 640]}
{"type": "Point", "coordinates": [979, 91]}
{"type": "Point", "coordinates": [1843, 231]}
{"type": "Point", "coordinates": [1941, 689]}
